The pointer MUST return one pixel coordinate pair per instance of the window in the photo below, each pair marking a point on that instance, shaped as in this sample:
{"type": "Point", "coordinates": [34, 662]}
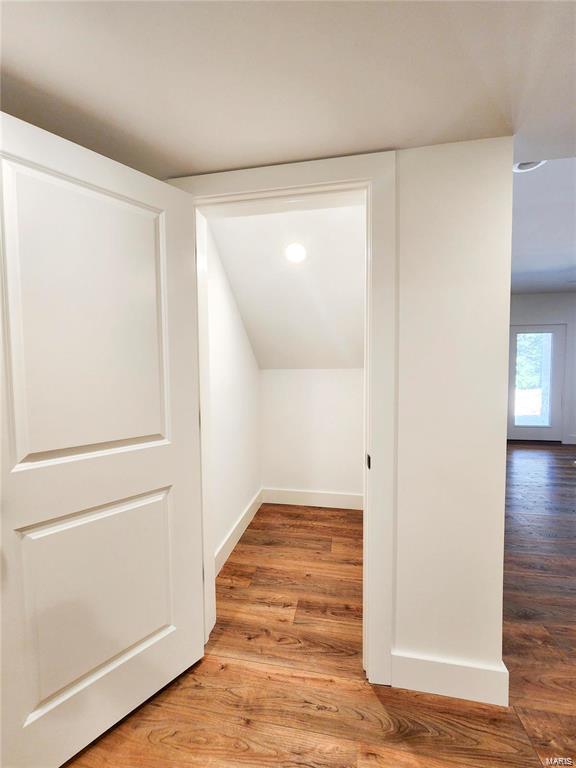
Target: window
{"type": "Point", "coordinates": [533, 380]}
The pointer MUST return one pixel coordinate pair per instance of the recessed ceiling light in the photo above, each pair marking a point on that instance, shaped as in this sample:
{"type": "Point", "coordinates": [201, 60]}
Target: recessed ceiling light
{"type": "Point", "coordinates": [295, 252]}
{"type": "Point", "coordinates": [528, 166]}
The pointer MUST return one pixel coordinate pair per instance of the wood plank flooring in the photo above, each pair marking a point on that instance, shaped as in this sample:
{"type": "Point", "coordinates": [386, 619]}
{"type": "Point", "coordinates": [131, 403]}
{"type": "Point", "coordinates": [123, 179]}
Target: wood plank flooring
{"type": "Point", "coordinates": [282, 684]}
{"type": "Point", "coordinates": [540, 594]}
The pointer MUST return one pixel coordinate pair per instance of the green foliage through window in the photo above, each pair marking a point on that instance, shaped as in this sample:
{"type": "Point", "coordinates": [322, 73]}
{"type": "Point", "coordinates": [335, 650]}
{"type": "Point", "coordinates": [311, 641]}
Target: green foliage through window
{"type": "Point", "coordinates": [531, 352]}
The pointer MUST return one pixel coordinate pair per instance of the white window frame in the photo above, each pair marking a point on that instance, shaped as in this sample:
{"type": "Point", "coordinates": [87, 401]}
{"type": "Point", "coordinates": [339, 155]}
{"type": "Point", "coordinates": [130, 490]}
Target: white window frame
{"type": "Point", "coordinates": [555, 430]}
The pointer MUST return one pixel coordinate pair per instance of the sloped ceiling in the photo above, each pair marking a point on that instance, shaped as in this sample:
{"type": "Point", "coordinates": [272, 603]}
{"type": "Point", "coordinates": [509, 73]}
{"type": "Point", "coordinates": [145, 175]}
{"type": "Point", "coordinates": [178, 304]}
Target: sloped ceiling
{"type": "Point", "coordinates": [544, 228]}
{"type": "Point", "coordinates": [307, 315]}
{"type": "Point", "coordinates": [177, 88]}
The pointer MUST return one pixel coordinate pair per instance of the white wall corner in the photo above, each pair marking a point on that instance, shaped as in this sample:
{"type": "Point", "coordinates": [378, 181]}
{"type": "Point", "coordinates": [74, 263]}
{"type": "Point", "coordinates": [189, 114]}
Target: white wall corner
{"type": "Point", "coordinates": [224, 550]}
{"type": "Point", "coordinates": [486, 683]}
{"type": "Point", "coordinates": [303, 498]}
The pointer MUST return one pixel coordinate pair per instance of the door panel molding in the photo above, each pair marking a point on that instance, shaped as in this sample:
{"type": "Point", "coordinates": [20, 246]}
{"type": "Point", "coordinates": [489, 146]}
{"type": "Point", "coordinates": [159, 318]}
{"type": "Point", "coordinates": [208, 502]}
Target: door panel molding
{"type": "Point", "coordinates": [40, 208]}
{"type": "Point", "coordinates": [45, 706]}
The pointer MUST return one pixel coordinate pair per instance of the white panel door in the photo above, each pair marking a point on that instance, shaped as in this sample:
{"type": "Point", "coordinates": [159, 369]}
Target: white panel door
{"type": "Point", "coordinates": [101, 517]}
{"type": "Point", "coordinates": [536, 382]}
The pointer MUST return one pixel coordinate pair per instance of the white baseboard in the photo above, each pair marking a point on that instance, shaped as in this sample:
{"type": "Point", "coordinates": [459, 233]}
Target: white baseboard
{"type": "Point", "coordinates": [330, 499]}
{"type": "Point", "coordinates": [224, 550]}
{"type": "Point", "coordinates": [475, 682]}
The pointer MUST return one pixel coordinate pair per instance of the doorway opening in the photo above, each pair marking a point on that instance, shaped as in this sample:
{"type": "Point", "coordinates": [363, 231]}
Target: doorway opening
{"type": "Point", "coordinates": [282, 284]}
{"type": "Point", "coordinates": [541, 451]}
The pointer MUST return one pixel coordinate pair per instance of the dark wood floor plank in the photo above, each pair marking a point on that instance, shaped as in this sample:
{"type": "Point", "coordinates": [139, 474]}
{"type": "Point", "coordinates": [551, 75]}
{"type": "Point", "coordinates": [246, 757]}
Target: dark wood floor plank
{"type": "Point", "coordinates": [539, 608]}
{"type": "Point", "coordinates": [536, 547]}
{"type": "Point", "coordinates": [294, 527]}
{"type": "Point", "coordinates": [539, 593]}
{"type": "Point", "coordinates": [257, 594]}
{"type": "Point", "coordinates": [317, 515]}
{"type": "Point", "coordinates": [316, 562]}
{"type": "Point", "coordinates": [307, 581]}
{"type": "Point", "coordinates": [346, 546]}
{"type": "Point", "coordinates": [546, 564]}
{"type": "Point", "coordinates": [315, 611]}
{"type": "Point", "coordinates": [301, 540]}
{"type": "Point", "coordinates": [565, 638]}
{"type": "Point", "coordinates": [236, 574]}
{"type": "Point", "coordinates": [524, 643]}
{"type": "Point", "coordinates": [553, 735]}
{"type": "Point", "coordinates": [267, 614]}
{"type": "Point", "coordinates": [336, 652]}
{"type": "Point", "coordinates": [543, 685]}
{"type": "Point", "coordinates": [540, 585]}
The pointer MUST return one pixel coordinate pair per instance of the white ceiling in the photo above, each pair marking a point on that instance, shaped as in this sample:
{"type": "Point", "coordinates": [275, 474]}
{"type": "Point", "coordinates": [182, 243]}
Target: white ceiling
{"type": "Point", "coordinates": [544, 228]}
{"type": "Point", "coordinates": [175, 88]}
{"type": "Point", "coordinates": [307, 315]}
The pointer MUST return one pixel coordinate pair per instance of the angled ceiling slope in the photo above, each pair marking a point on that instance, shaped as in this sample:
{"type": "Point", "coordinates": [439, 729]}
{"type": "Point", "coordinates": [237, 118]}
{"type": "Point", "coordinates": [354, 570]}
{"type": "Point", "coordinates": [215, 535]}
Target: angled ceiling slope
{"type": "Point", "coordinates": [306, 315]}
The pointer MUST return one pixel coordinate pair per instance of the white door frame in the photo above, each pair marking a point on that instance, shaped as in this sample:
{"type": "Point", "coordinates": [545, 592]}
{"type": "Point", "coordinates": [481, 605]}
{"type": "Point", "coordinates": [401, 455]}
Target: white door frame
{"type": "Point", "coordinates": [375, 174]}
{"type": "Point", "coordinates": [558, 374]}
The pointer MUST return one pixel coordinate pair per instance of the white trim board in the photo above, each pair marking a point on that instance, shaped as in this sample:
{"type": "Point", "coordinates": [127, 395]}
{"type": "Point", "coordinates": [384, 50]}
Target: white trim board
{"type": "Point", "coordinates": [224, 550]}
{"type": "Point", "coordinates": [333, 500]}
{"type": "Point", "coordinates": [448, 677]}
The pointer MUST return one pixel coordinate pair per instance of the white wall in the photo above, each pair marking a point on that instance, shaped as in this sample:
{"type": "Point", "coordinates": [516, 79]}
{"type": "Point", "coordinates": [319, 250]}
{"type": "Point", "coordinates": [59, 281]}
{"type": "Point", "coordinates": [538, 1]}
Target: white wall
{"type": "Point", "coordinates": [312, 430]}
{"type": "Point", "coordinates": [554, 309]}
{"type": "Point", "coordinates": [230, 393]}
{"type": "Point", "coordinates": [454, 231]}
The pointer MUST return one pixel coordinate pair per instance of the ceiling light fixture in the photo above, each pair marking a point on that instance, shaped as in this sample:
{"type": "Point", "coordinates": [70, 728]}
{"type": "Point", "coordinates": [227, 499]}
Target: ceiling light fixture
{"type": "Point", "coordinates": [528, 166]}
{"type": "Point", "coordinates": [295, 252]}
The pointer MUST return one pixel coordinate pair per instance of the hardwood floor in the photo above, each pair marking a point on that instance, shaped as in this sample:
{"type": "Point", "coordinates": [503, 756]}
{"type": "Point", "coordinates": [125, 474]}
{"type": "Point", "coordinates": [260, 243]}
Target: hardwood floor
{"type": "Point", "coordinates": [282, 682]}
{"type": "Point", "coordinates": [540, 594]}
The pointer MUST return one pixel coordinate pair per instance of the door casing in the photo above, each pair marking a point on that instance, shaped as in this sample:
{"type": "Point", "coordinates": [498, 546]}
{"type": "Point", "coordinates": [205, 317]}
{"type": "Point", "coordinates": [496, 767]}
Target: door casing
{"type": "Point", "coordinates": [375, 175]}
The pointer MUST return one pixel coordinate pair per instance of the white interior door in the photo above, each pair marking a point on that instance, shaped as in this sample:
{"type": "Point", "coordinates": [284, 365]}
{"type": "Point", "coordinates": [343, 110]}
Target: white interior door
{"type": "Point", "coordinates": [101, 521]}
{"type": "Point", "coordinates": [536, 382]}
